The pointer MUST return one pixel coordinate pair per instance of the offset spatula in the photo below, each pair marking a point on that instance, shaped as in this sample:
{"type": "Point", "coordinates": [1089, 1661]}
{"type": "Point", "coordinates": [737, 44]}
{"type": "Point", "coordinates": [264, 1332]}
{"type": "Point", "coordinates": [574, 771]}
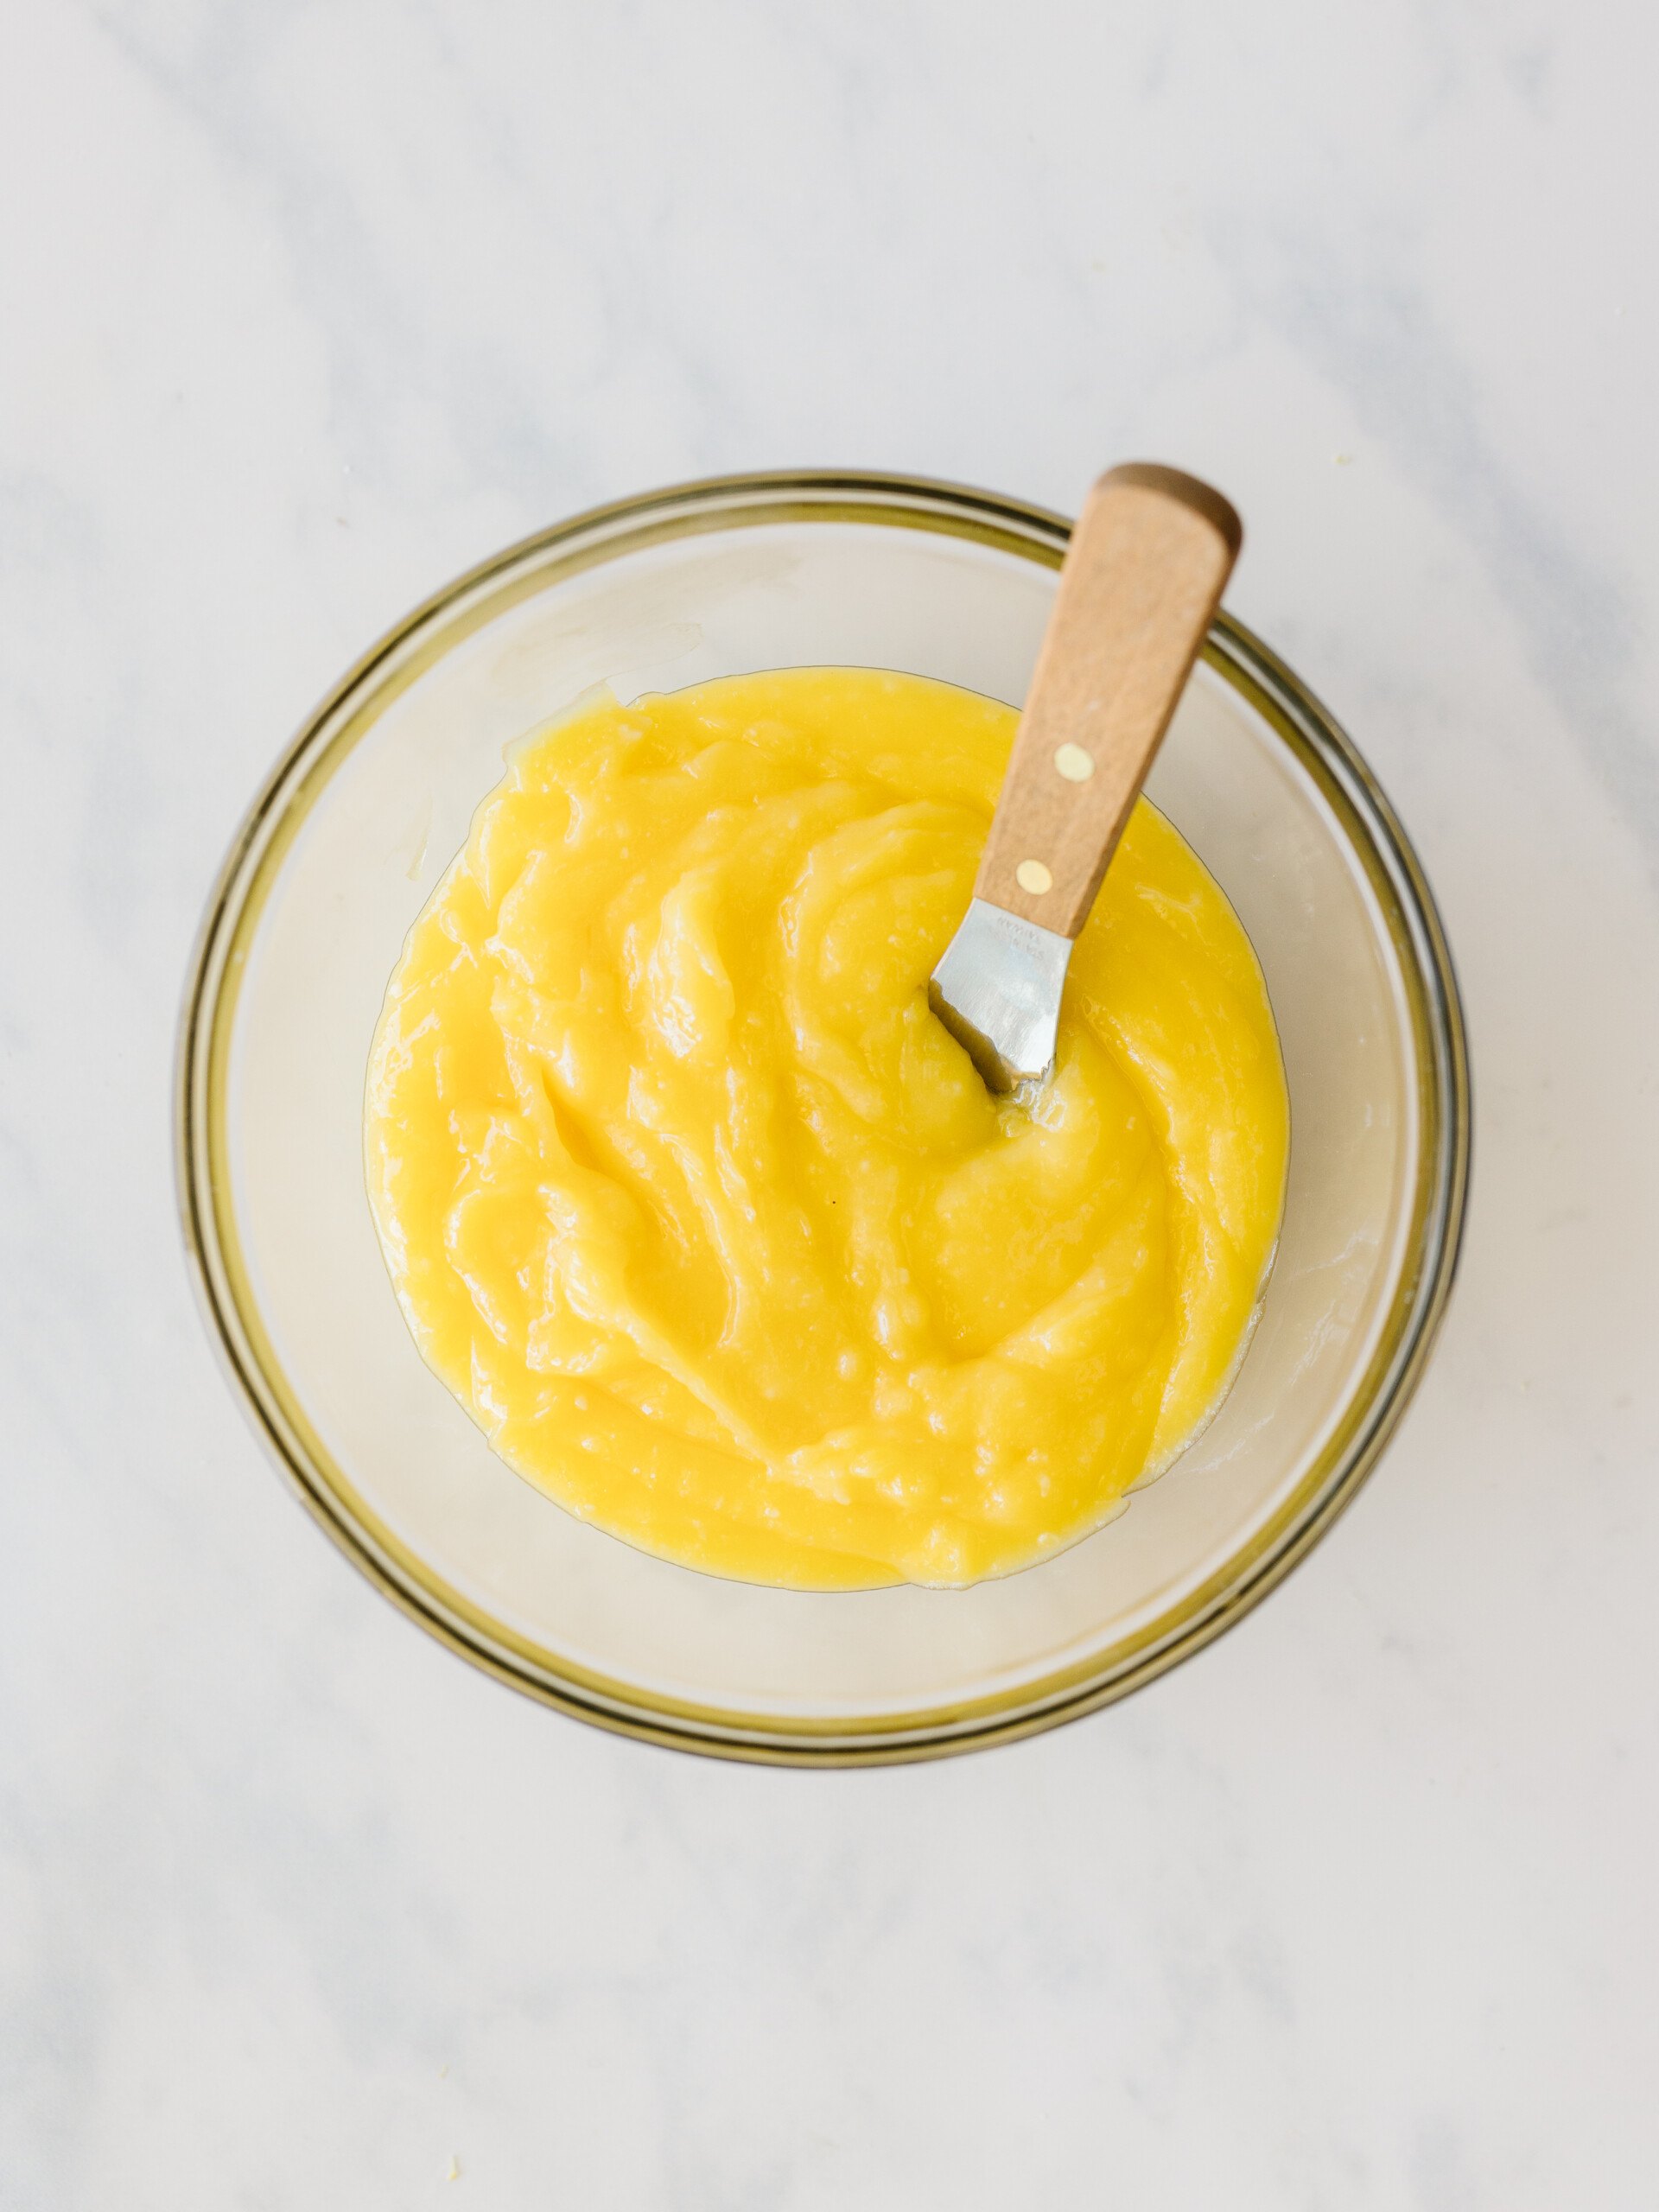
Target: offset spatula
{"type": "Point", "coordinates": [1143, 575]}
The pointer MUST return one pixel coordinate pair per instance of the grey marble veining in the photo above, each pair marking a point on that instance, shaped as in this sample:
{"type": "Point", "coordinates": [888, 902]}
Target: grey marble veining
{"type": "Point", "coordinates": [304, 309]}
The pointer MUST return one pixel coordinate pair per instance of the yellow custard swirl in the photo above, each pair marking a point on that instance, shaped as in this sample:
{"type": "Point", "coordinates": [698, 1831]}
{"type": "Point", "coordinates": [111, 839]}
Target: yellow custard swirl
{"type": "Point", "coordinates": [712, 1227]}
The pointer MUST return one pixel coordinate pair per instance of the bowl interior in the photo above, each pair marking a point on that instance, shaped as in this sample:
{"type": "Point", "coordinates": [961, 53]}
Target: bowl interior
{"type": "Point", "coordinates": [354, 833]}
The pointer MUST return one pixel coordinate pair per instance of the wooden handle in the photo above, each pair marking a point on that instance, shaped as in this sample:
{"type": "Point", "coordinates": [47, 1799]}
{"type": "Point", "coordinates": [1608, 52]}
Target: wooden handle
{"type": "Point", "coordinates": [1149, 559]}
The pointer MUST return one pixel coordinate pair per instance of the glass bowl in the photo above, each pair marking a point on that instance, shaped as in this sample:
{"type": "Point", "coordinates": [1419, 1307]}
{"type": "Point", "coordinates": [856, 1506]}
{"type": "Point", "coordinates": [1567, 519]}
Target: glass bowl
{"type": "Point", "coordinates": [338, 854]}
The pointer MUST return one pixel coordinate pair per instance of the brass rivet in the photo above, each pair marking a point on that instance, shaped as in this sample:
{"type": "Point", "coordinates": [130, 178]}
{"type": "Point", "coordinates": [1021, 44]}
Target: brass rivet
{"type": "Point", "coordinates": [1032, 876]}
{"type": "Point", "coordinates": [1074, 764]}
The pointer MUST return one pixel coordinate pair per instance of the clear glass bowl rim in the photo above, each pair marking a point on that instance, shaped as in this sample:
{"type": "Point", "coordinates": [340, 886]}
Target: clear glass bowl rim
{"type": "Point", "coordinates": [202, 1135]}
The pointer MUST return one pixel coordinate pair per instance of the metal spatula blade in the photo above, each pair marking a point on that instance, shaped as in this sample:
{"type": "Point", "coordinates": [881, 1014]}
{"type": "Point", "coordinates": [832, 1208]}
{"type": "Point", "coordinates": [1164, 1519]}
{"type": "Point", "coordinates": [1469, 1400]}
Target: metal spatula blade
{"type": "Point", "coordinates": [997, 990]}
{"type": "Point", "coordinates": [1142, 578]}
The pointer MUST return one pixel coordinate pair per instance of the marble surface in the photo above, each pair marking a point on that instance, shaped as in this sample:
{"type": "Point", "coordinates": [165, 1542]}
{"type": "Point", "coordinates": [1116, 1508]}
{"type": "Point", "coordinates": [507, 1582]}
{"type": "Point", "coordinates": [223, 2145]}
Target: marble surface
{"type": "Point", "coordinates": [308, 306]}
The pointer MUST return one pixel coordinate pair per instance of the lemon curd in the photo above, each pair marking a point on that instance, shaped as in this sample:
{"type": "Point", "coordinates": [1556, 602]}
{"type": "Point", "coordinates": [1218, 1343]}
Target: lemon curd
{"type": "Point", "coordinates": [716, 1230]}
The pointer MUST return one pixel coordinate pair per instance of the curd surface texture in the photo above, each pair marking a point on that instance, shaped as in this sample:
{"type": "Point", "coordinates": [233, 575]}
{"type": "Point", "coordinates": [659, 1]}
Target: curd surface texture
{"type": "Point", "coordinates": [714, 1230]}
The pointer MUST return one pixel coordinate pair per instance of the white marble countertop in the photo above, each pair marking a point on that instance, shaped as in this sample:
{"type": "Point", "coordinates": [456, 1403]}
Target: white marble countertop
{"type": "Point", "coordinates": [308, 306]}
